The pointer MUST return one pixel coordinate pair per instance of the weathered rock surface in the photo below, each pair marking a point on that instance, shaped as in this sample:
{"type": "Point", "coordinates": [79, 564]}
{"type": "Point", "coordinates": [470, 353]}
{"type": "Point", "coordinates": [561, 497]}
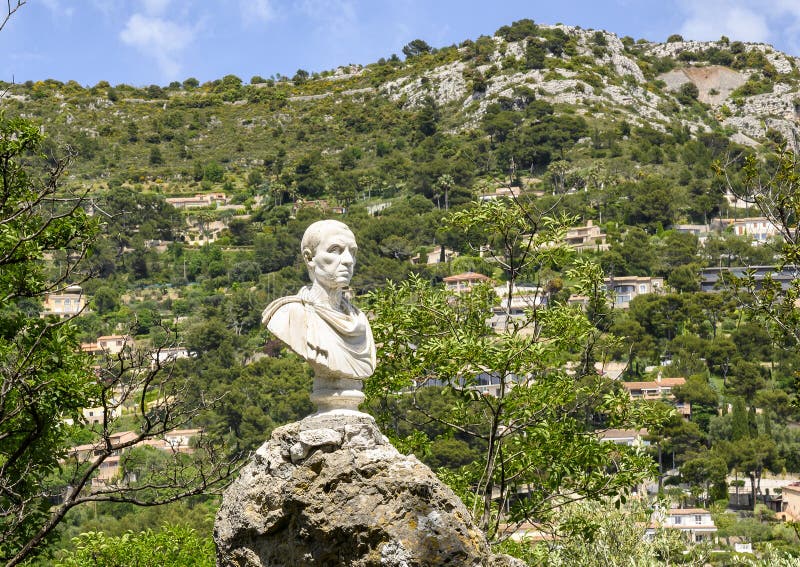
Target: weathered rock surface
{"type": "Point", "coordinates": [331, 490]}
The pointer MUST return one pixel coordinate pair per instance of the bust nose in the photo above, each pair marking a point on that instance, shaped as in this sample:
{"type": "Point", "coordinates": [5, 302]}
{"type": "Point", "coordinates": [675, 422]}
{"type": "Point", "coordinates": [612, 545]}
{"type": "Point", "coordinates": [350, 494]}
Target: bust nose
{"type": "Point", "coordinates": [347, 258]}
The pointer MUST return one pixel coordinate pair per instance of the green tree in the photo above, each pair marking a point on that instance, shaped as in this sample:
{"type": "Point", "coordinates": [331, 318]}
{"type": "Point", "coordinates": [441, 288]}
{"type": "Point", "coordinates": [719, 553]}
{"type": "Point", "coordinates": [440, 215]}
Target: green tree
{"type": "Point", "coordinates": [155, 156]}
{"type": "Point", "coordinates": [535, 53]}
{"type": "Point", "coordinates": [45, 377]}
{"type": "Point", "coordinates": [47, 380]}
{"type": "Point", "coordinates": [213, 172]}
{"type": "Point", "coordinates": [533, 430]}
{"type": "Point", "coordinates": [740, 428]}
{"type": "Point", "coordinates": [106, 300]}
{"type": "Point", "coordinates": [638, 253]}
{"type": "Point", "coordinates": [708, 472]}
{"type": "Point", "coordinates": [753, 341]}
{"type": "Point", "coordinates": [703, 398]}
{"type": "Point", "coordinates": [774, 186]}
{"type": "Point", "coordinates": [720, 356]}
{"type": "Point", "coordinates": [598, 534]}
{"type": "Point", "coordinates": [684, 279]}
{"type": "Point", "coordinates": [170, 546]}
{"type": "Point", "coordinates": [751, 455]}
{"type": "Point", "coordinates": [688, 93]}
{"type": "Point", "coordinates": [300, 77]}
{"type": "Point", "coordinates": [745, 379]}
{"type": "Point", "coordinates": [415, 48]}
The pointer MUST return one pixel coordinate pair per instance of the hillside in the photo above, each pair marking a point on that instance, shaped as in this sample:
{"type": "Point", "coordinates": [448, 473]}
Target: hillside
{"type": "Point", "coordinates": [743, 91]}
{"type": "Point", "coordinates": [204, 190]}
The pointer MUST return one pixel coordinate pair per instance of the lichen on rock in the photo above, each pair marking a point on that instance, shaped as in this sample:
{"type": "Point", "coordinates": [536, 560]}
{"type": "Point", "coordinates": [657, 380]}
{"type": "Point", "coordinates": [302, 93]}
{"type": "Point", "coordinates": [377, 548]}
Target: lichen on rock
{"type": "Point", "coordinates": [331, 490]}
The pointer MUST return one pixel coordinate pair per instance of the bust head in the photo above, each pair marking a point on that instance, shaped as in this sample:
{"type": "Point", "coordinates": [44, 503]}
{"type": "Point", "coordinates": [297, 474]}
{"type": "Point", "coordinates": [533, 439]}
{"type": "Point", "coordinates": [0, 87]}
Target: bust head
{"type": "Point", "coordinates": [329, 251]}
{"type": "Point", "coordinates": [321, 325]}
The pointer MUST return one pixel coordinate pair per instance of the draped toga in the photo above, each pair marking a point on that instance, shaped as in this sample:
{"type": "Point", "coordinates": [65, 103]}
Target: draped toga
{"type": "Point", "coordinates": [340, 341]}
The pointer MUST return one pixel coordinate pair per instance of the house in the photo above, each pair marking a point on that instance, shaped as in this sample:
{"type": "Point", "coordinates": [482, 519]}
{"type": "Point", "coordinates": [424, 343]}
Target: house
{"type": "Point", "coordinates": [109, 469]}
{"type": "Point", "coordinates": [114, 344]}
{"type": "Point", "coordinates": [701, 231]}
{"type": "Point", "coordinates": [99, 414]}
{"type": "Point", "coordinates": [589, 237]}
{"type": "Point", "coordinates": [721, 278]}
{"type": "Point", "coordinates": [611, 369]}
{"type": "Point", "coordinates": [790, 494]}
{"type": "Point", "coordinates": [203, 232]}
{"type": "Point", "coordinates": [527, 531]}
{"type": "Point", "coordinates": [168, 354]}
{"type": "Point", "coordinates": [759, 229]}
{"type": "Point", "coordinates": [695, 523]}
{"type": "Point", "coordinates": [179, 440]}
{"type": "Point", "coordinates": [107, 346]}
{"type": "Point", "coordinates": [629, 437]}
{"type": "Point", "coordinates": [320, 204]}
{"type": "Point", "coordinates": [625, 288]}
{"type": "Point", "coordinates": [736, 202]}
{"type": "Point", "coordinates": [461, 283]}
{"type": "Point", "coordinates": [435, 256]}
{"type": "Point", "coordinates": [658, 389]}
{"type": "Point", "coordinates": [698, 230]}
{"type": "Point", "coordinates": [486, 383]}
{"type": "Point", "coordinates": [502, 192]}
{"type": "Point", "coordinates": [198, 201]}
{"type": "Point", "coordinates": [109, 472]}
{"type": "Point", "coordinates": [69, 302]}
{"type": "Point", "coordinates": [523, 297]}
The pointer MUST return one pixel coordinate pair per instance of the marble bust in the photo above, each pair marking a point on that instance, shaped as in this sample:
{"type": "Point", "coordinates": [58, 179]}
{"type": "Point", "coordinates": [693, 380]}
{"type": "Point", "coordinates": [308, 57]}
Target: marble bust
{"type": "Point", "coordinates": [321, 324]}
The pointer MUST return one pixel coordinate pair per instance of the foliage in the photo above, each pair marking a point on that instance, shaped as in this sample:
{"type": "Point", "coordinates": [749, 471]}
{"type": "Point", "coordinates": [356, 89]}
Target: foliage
{"type": "Point", "coordinates": [45, 379]}
{"type": "Point", "coordinates": [536, 429]}
{"type": "Point", "coordinates": [393, 161]}
{"type": "Point", "coordinates": [48, 381]}
{"type": "Point", "coordinates": [415, 48]}
{"type": "Point", "coordinates": [171, 546]}
{"type": "Point", "coordinates": [597, 534]}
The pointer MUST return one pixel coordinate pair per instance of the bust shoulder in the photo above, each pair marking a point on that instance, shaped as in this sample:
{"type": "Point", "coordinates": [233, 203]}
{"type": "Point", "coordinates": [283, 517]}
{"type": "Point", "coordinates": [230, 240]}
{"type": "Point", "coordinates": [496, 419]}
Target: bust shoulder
{"type": "Point", "coordinates": [288, 322]}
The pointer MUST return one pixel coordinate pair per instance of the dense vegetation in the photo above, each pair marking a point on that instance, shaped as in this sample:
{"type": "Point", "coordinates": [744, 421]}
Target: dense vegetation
{"type": "Point", "coordinates": [389, 145]}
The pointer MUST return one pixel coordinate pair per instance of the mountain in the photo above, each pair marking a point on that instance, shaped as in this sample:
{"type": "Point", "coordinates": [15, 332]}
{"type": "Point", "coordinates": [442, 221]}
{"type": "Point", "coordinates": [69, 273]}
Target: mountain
{"type": "Point", "coordinates": [204, 191]}
{"type": "Point", "coordinates": [746, 92]}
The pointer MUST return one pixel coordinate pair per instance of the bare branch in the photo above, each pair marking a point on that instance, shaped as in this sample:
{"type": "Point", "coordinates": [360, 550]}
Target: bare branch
{"type": "Point", "coordinates": [11, 7]}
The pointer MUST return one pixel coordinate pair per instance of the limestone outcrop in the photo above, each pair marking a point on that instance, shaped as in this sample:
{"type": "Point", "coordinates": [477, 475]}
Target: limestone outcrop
{"type": "Point", "coordinates": [331, 490]}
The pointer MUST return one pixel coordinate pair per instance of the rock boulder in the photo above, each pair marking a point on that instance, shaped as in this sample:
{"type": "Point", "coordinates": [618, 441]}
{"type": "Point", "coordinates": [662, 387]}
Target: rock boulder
{"type": "Point", "coordinates": [331, 490]}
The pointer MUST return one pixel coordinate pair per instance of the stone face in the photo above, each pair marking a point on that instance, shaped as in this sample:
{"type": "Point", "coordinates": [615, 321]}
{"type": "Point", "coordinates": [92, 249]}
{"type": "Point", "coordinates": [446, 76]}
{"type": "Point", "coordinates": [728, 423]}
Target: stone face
{"type": "Point", "coordinates": [331, 490]}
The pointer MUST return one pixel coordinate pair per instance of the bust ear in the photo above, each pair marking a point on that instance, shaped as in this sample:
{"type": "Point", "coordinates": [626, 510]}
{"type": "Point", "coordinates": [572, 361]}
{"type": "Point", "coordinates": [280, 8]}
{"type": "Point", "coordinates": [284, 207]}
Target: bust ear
{"type": "Point", "coordinates": [307, 255]}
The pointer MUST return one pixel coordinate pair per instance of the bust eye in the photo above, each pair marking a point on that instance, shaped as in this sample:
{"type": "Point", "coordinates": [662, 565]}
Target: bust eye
{"type": "Point", "coordinates": [336, 249]}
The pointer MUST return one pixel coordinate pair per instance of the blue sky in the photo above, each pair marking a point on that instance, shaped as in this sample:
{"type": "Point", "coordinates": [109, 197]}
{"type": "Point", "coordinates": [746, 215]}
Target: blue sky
{"type": "Point", "coordinates": [142, 42]}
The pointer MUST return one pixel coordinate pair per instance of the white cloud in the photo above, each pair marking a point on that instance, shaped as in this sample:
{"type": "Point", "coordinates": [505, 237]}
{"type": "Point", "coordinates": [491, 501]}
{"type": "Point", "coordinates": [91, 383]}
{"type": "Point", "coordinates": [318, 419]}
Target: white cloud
{"type": "Point", "coordinates": [161, 39]}
{"type": "Point", "coordinates": [708, 21]}
{"type": "Point", "coordinates": [257, 11]}
{"type": "Point", "coordinates": [58, 9]}
{"type": "Point", "coordinates": [155, 7]}
{"type": "Point", "coordinates": [769, 21]}
{"type": "Point", "coordinates": [335, 18]}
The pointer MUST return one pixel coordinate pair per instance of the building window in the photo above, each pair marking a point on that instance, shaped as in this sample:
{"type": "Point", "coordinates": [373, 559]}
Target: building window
{"type": "Point", "coordinates": [698, 519]}
{"type": "Point", "coordinates": [677, 520]}
{"type": "Point", "coordinates": [642, 288]}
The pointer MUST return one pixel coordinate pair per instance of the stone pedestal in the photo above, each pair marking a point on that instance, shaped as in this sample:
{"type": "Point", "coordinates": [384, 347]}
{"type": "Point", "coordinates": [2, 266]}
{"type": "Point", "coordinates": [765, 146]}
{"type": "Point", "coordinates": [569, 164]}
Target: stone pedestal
{"type": "Point", "coordinates": [332, 392]}
{"type": "Point", "coordinates": [330, 490]}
